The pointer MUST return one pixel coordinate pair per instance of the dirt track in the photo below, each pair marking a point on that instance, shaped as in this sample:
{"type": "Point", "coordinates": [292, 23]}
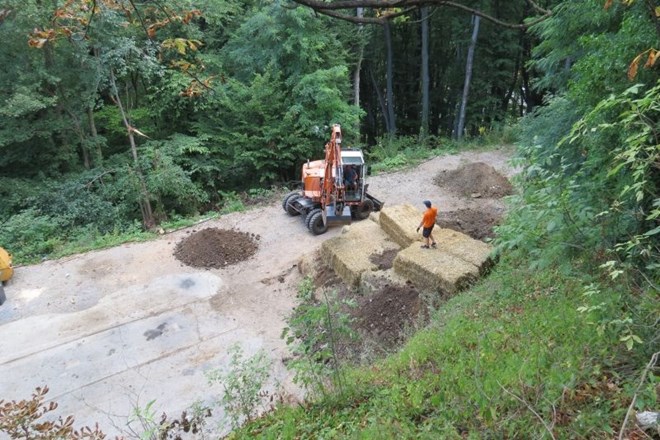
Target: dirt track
{"type": "Point", "coordinates": [114, 328]}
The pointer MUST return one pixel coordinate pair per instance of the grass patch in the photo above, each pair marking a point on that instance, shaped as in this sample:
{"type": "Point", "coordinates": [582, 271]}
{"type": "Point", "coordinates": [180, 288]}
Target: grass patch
{"type": "Point", "coordinates": [511, 358]}
{"type": "Point", "coordinates": [409, 151]}
{"type": "Point", "coordinates": [32, 238]}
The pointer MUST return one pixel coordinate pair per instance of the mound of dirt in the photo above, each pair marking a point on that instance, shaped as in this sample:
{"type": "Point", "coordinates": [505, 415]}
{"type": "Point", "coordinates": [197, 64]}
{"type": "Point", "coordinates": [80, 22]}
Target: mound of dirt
{"type": "Point", "coordinates": [216, 248]}
{"type": "Point", "coordinates": [477, 224]}
{"type": "Point", "coordinates": [476, 180]}
{"type": "Point", "coordinates": [385, 315]}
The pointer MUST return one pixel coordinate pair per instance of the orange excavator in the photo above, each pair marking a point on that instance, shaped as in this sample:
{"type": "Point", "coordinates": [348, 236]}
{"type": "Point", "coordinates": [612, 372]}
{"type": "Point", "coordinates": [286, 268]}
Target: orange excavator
{"type": "Point", "coordinates": [334, 189]}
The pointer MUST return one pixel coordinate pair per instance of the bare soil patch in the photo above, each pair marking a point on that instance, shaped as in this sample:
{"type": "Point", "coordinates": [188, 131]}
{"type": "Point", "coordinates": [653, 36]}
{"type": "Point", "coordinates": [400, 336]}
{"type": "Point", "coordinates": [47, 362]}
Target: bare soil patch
{"type": "Point", "coordinates": [384, 260]}
{"type": "Point", "coordinates": [216, 248]}
{"type": "Point", "coordinates": [477, 223]}
{"type": "Point", "coordinates": [475, 180]}
{"type": "Point", "coordinates": [384, 316]}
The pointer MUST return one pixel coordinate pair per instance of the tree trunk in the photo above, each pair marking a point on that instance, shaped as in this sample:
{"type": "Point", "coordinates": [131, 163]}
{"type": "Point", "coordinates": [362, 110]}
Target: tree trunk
{"type": "Point", "coordinates": [358, 66]}
{"type": "Point", "coordinates": [98, 160]}
{"type": "Point", "coordinates": [424, 129]}
{"type": "Point", "coordinates": [390, 72]}
{"type": "Point", "coordinates": [148, 219]}
{"type": "Point", "coordinates": [468, 76]}
{"type": "Point", "coordinates": [381, 101]}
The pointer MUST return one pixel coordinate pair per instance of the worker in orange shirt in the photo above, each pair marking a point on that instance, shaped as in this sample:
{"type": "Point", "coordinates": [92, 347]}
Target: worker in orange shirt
{"type": "Point", "coordinates": [428, 222]}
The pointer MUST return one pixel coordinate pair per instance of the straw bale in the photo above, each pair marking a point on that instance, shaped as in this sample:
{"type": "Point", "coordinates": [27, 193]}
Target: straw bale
{"type": "Point", "coordinates": [348, 254]}
{"type": "Point", "coordinates": [400, 222]}
{"type": "Point", "coordinates": [375, 217]}
{"type": "Point", "coordinates": [373, 281]}
{"type": "Point", "coordinates": [435, 270]}
{"type": "Point", "coordinates": [464, 247]}
{"type": "Point", "coordinates": [307, 265]}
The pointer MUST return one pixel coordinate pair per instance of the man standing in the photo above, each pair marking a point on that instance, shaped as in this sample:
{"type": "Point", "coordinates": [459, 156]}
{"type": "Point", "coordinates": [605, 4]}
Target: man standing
{"type": "Point", "coordinates": [428, 222]}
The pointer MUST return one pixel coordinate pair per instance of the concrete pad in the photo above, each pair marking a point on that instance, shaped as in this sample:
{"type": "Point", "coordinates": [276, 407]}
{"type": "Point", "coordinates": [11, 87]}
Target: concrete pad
{"type": "Point", "coordinates": [348, 254]}
{"type": "Point", "coordinates": [435, 270]}
{"type": "Point", "coordinates": [141, 343]}
{"type": "Point", "coordinates": [464, 247]}
{"type": "Point", "coordinates": [400, 223]}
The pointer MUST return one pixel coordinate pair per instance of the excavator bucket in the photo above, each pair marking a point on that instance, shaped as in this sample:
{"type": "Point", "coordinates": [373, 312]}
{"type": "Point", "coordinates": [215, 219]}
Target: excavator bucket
{"type": "Point", "coordinates": [332, 217]}
{"type": "Point", "coordinates": [378, 205]}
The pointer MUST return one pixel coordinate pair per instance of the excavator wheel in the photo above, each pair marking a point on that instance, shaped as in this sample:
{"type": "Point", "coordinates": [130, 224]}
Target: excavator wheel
{"type": "Point", "coordinates": [287, 204]}
{"type": "Point", "coordinates": [363, 210]}
{"type": "Point", "coordinates": [315, 223]}
{"type": "Point", "coordinates": [285, 200]}
{"type": "Point", "coordinates": [309, 215]}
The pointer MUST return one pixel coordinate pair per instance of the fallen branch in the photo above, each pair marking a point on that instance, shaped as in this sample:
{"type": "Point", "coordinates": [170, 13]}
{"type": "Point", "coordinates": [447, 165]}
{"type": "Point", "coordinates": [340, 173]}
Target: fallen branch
{"type": "Point", "coordinates": [651, 363]}
{"type": "Point", "coordinates": [529, 407]}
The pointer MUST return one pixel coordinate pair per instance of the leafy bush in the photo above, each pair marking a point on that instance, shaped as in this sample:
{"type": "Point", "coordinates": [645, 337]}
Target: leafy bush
{"type": "Point", "coordinates": [312, 334]}
{"type": "Point", "coordinates": [243, 384]}
{"type": "Point", "coordinates": [396, 153]}
{"type": "Point", "coordinates": [30, 235]}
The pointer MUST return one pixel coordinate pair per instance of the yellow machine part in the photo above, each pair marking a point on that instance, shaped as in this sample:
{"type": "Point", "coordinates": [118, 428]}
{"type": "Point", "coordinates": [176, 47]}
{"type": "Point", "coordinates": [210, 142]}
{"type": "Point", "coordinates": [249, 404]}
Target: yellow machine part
{"type": "Point", "coordinates": [6, 269]}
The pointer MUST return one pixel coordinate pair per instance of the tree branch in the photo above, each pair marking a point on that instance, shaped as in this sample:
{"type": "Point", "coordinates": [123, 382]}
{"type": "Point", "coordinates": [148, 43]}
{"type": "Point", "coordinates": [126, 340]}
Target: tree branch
{"type": "Point", "coordinates": [529, 407]}
{"type": "Point", "coordinates": [331, 9]}
{"type": "Point", "coordinates": [651, 364]}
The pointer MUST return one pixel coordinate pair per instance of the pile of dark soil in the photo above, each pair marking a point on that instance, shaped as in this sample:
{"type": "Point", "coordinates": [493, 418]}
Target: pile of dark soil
{"type": "Point", "coordinates": [477, 224]}
{"type": "Point", "coordinates": [216, 248]}
{"type": "Point", "coordinates": [475, 180]}
{"type": "Point", "coordinates": [384, 260]}
{"type": "Point", "coordinates": [385, 315]}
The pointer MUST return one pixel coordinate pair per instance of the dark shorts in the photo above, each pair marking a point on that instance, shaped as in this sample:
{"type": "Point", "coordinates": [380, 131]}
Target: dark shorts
{"type": "Point", "coordinates": [427, 231]}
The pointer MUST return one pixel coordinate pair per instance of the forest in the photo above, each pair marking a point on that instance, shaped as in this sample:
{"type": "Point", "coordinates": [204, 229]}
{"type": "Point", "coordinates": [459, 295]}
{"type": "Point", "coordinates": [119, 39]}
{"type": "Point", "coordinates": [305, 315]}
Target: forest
{"type": "Point", "coordinates": [119, 117]}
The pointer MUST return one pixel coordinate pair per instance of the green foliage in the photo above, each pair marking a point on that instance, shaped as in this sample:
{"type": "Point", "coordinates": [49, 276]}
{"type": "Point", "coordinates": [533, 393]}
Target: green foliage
{"type": "Point", "coordinates": [404, 151]}
{"type": "Point", "coordinates": [243, 384]}
{"type": "Point", "coordinates": [288, 81]}
{"type": "Point", "coordinates": [313, 332]}
{"type": "Point", "coordinates": [30, 235]}
{"type": "Point", "coordinates": [505, 359]}
{"type": "Point", "coordinates": [595, 190]}
{"type": "Point", "coordinates": [597, 44]}
{"type": "Point", "coordinates": [231, 202]}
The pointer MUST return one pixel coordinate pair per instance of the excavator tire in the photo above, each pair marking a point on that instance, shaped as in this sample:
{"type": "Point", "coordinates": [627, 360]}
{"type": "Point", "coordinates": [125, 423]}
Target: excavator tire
{"type": "Point", "coordinates": [290, 209]}
{"type": "Point", "coordinates": [363, 210]}
{"type": "Point", "coordinates": [315, 224]}
{"type": "Point", "coordinates": [309, 216]}
{"type": "Point", "coordinates": [286, 199]}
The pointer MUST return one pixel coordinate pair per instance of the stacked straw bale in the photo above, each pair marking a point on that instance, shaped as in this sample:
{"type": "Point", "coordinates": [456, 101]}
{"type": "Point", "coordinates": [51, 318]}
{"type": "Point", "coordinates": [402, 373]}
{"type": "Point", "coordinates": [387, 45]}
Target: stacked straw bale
{"type": "Point", "coordinates": [348, 254]}
{"type": "Point", "coordinates": [435, 270]}
{"type": "Point", "coordinates": [464, 247]}
{"type": "Point", "coordinates": [400, 223]}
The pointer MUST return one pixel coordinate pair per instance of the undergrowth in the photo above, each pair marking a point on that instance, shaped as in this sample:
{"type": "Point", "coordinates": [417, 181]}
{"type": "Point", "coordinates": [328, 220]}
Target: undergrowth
{"type": "Point", "coordinates": [408, 151]}
{"type": "Point", "coordinates": [511, 358]}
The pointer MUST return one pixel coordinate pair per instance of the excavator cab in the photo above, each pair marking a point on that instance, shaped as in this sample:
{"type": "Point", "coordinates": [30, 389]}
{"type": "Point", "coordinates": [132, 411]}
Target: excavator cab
{"type": "Point", "coordinates": [354, 173]}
